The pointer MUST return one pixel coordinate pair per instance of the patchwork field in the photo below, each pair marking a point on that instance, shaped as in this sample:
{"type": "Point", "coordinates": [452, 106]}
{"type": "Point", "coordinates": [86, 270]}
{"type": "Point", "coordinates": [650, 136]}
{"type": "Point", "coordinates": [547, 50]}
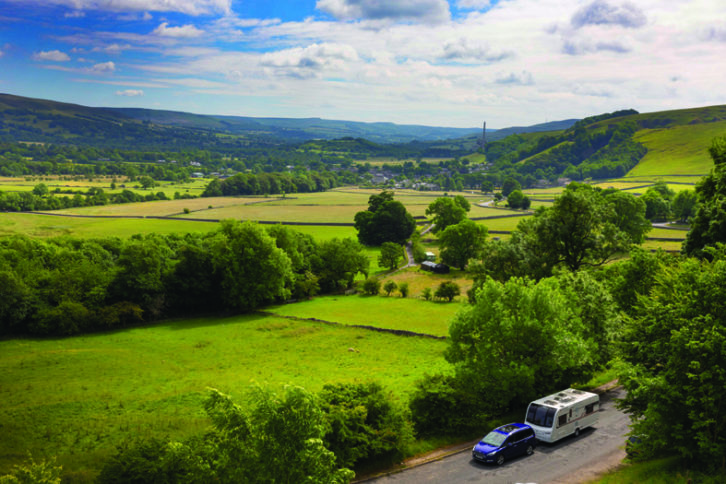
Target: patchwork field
{"type": "Point", "coordinates": [78, 398]}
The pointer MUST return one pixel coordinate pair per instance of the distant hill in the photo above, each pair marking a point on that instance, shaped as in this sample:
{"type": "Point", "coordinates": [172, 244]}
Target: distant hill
{"type": "Point", "coordinates": [30, 119]}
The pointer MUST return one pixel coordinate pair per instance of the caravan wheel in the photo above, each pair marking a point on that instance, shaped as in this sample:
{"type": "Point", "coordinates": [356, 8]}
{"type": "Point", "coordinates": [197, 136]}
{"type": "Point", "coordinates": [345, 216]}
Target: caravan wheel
{"type": "Point", "coordinates": [577, 432]}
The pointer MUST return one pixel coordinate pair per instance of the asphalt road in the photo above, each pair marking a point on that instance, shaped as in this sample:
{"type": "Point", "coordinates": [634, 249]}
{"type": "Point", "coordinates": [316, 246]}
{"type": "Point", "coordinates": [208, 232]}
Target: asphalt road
{"type": "Point", "coordinates": [571, 460]}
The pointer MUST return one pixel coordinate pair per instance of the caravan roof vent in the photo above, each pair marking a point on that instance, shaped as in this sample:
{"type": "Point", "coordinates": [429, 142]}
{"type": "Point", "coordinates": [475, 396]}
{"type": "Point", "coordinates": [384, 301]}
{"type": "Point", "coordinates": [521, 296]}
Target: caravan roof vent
{"type": "Point", "coordinates": [550, 402]}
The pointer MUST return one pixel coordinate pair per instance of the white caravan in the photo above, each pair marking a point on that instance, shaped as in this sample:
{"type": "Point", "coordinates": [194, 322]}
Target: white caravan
{"type": "Point", "coordinates": [561, 414]}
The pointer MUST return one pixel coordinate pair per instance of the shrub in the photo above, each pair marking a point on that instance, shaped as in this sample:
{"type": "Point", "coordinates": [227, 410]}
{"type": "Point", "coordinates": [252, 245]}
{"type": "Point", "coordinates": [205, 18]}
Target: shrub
{"type": "Point", "coordinates": [366, 424]}
{"type": "Point", "coordinates": [447, 290]}
{"type": "Point", "coordinates": [403, 289]}
{"type": "Point", "coordinates": [427, 293]}
{"type": "Point", "coordinates": [371, 286]}
{"type": "Point", "coordinates": [389, 287]}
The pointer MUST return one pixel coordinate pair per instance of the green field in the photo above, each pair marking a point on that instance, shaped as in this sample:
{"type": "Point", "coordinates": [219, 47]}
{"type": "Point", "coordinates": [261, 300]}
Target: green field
{"type": "Point", "coordinates": [15, 184]}
{"type": "Point", "coordinates": [680, 150]}
{"type": "Point", "coordinates": [77, 398]}
{"type": "Point", "coordinates": [51, 226]}
{"type": "Point", "coordinates": [408, 314]}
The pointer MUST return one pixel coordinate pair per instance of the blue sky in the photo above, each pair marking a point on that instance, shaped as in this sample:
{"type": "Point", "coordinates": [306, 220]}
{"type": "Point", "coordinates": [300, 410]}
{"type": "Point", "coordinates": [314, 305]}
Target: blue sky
{"type": "Point", "coordinates": [433, 62]}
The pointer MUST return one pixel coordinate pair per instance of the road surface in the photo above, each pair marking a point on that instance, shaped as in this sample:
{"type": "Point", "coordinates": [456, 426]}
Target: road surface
{"type": "Point", "coordinates": [571, 460]}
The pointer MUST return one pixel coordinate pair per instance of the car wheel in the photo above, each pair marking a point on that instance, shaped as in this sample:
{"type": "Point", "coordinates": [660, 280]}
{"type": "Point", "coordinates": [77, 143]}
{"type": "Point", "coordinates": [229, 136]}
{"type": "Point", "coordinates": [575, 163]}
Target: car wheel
{"type": "Point", "coordinates": [530, 450]}
{"type": "Point", "coordinates": [500, 460]}
{"type": "Point", "coordinates": [577, 432]}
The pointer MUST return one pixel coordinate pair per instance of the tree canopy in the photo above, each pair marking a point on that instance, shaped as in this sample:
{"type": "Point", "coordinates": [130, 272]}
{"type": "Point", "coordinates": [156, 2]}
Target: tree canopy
{"type": "Point", "coordinates": [386, 220]}
{"type": "Point", "coordinates": [448, 211]}
{"type": "Point", "coordinates": [709, 224]}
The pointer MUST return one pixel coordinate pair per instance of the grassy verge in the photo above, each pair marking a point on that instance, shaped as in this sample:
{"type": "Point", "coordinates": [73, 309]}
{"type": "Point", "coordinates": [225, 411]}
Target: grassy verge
{"type": "Point", "coordinates": [669, 470]}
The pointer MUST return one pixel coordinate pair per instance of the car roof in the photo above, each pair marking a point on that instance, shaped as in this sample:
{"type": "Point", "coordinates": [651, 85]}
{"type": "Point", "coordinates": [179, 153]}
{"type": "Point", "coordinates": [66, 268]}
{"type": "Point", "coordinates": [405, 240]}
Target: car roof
{"type": "Point", "coordinates": [509, 428]}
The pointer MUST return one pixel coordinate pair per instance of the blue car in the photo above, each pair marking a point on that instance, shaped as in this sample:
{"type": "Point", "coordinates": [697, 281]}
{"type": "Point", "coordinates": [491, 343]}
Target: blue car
{"type": "Point", "coordinates": [504, 443]}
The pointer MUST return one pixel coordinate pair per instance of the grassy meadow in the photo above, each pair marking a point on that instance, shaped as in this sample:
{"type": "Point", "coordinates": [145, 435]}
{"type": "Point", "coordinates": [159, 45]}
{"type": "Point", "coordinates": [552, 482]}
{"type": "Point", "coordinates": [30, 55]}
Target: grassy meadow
{"type": "Point", "coordinates": [77, 398]}
{"type": "Point", "coordinates": [679, 150]}
{"type": "Point", "coordinates": [389, 312]}
{"type": "Point", "coordinates": [14, 184]}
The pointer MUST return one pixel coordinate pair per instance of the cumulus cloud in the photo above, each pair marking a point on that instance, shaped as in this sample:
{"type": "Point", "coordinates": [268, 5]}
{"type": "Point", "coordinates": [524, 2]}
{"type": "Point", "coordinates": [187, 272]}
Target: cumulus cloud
{"type": "Point", "coordinates": [189, 7]}
{"type": "Point", "coordinates": [130, 93]}
{"type": "Point", "coordinates": [464, 50]}
{"type": "Point", "coordinates": [601, 12]}
{"type": "Point", "coordinates": [183, 32]}
{"type": "Point", "coordinates": [103, 67]}
{"type": "Point", "coordinates": [473, 4]}
{"type": "Point", "coordinates": [309, 61]}
{"type": "Point", "coordinates": [523, 78]}
{"type": "Point", "coordinates": [571, 47]}
{"type": "Point", "coordinates": [427, 11]}
{"type": "Point", "coordinates": [51, 55]}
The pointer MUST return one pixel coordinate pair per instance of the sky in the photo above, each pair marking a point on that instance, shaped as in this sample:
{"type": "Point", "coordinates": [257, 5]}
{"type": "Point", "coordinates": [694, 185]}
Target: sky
{"type": "Point", "coordinates": [432, 62]}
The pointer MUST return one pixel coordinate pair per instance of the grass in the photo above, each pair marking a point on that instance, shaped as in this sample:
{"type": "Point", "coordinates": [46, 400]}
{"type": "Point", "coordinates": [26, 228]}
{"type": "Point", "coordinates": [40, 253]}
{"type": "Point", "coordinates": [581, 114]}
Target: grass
{"type": "Point", "coordinates": [79, 397]}
{"type": "Point", "coordinates": [680, 150]}
{"type": "Point", "coordinates": [192, 187]}
{"type": "Point", "coordinates": [390, 312]}
{"type": "Point", "coordinates": [668, 470]}
{"type": "Point", "coordinates": [51, 226]}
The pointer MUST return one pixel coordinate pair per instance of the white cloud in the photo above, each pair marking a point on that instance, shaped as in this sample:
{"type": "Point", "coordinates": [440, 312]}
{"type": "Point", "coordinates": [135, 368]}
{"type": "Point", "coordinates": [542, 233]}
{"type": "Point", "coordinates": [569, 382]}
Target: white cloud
{"type": "Point", "coordinates": [183, 32]}
{"type": "Point", "coordinates": [309, 61]}
{"type": "Point", "coordinates": [112, 48]}
{"type": "Point", "coordinates": [103, 67]}
{"type": "Point", "coordinates": [130, 93]}
{"type": "Point", "coordinates": [522, 78]}
{"type": "Point", "coordinates": [429, 11]}
{"type": "Point", "coordinates": [465, 50]}
{"type": "Point", "coordinates": [51, 55]}
{"type": "Point", "coordinates": [189, 7]}
{"type": "Point", "coordinates": [75, 14]}
{"type": "Point", "coordinates": [601, 12]}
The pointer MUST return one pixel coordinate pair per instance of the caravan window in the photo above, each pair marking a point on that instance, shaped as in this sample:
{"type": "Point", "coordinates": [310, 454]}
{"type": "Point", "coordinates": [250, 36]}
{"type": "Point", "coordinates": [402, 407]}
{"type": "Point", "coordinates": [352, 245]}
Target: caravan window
{"type": "Point", "coordinates": [590, 408]}
{"type": "Point", "coordinates": [540, 415]}
{"type": "Point", "coordinates": [562, 420]}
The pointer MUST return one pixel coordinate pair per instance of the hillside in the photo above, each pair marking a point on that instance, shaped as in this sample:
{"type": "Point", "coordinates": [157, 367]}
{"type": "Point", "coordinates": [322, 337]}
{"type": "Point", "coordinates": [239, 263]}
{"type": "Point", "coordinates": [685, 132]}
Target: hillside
{"type": "Point", "coordinates": [612, 145]}
{"type": "Point", "coordinates": [43, 120]}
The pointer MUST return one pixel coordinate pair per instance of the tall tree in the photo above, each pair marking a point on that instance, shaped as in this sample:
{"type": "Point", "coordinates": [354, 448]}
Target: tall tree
{"type": "Point", "coordinates": [461, 242]}
{"type": "Point", "coordinates": [391, 254]}
{"type": "Point", "coordinates": [447, 211]}
{"type": "Point", "coordinates": [518, 340]}
{"type": "Point", "coordinates": [253, 270]}
{"type": "Point", "coordinates": [709, 223]}
{"type": "Point", "coordinates": [386, 220]}
{"type": "Point", "coordinates": [674, 349]}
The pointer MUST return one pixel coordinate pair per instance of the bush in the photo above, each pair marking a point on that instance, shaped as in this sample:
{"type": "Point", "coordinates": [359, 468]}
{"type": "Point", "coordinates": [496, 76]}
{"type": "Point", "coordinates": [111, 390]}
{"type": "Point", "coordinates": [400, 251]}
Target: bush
{"type": "Point", "coordinates": [403, 289]}
{"type": "Point", "coordinates": [447, 290]}
{"type": "Point", "coordinates": [366, 424]}
{"type": "Point", "coordinates": [371, 286]}
{"type": "Point", "coordinates": [389, 287]}
{"type": "Point", "coordinates": [439, 408]}
{"type": "Point", "coordinates": [427, 293]}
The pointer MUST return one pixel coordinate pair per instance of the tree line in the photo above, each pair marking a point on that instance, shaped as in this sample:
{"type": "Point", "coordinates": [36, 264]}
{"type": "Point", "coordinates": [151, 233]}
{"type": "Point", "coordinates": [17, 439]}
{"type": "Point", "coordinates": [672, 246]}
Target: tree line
{"type": "Point", "coordinates": [65, 286]}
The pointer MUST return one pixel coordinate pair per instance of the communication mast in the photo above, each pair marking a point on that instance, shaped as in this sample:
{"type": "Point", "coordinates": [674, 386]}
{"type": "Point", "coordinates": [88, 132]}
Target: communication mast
{"type": "Point", "coordinates": [483, 140]}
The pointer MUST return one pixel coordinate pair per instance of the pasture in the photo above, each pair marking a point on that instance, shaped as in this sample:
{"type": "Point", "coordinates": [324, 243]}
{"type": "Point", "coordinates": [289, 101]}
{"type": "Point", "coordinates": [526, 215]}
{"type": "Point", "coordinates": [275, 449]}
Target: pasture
{"type": "Point", "coordinates": [77, 398]}
{"type": "Point", "coordinates": [680, 150]}
{"type": "Point", "coordinates": [389, 312]}
{"type": "Point", "coordinates": [15, 184]}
